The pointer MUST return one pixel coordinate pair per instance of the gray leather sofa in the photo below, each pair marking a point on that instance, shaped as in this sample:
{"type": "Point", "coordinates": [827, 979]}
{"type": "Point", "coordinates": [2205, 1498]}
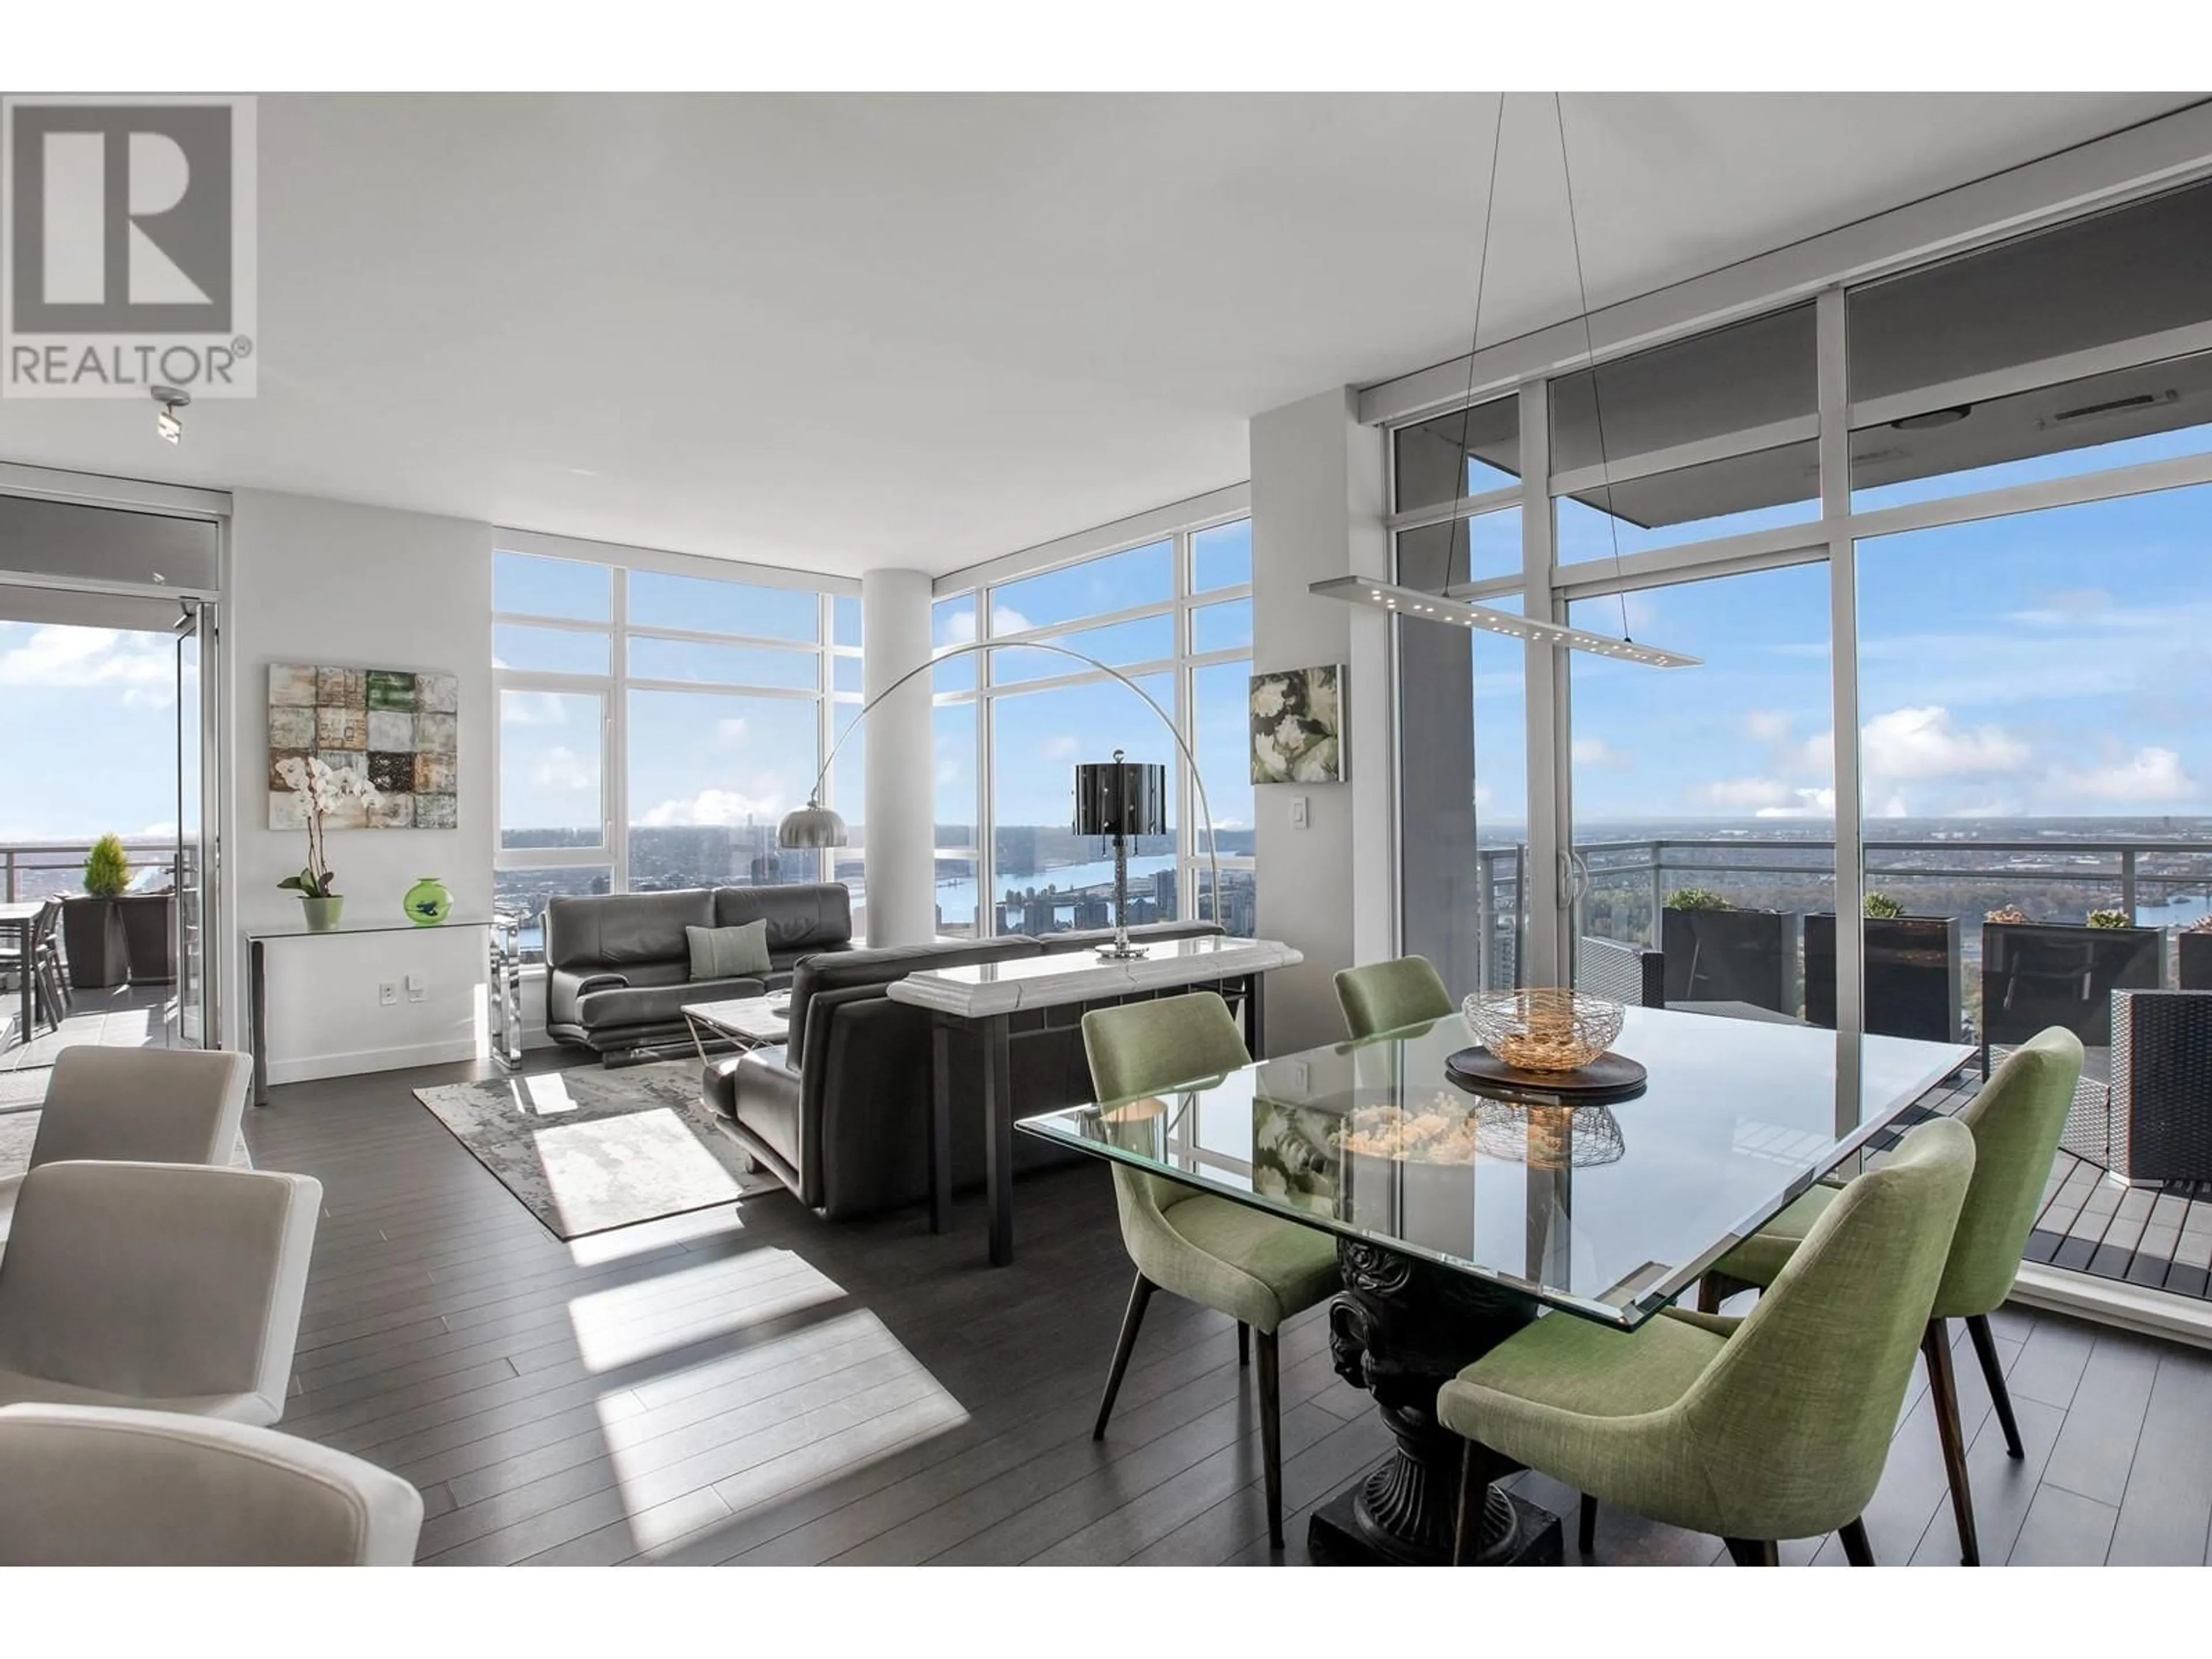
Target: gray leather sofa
{"type": "Point", "coordinates": [839, 1114]}
{"type": "Point", "coordinates": [618, 966]}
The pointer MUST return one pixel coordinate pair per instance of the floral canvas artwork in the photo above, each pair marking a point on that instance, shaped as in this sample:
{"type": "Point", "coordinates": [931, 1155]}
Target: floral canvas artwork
{"type": "Point", "coordinates": [395, 727]}
{"type": "Point", "coordinates": [1298, 726]}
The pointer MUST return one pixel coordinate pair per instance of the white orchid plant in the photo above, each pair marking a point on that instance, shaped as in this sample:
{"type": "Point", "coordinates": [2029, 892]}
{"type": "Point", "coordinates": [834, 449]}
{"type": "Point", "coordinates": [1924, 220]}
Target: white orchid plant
{"type": "Point", "coordinates": [319, 787]}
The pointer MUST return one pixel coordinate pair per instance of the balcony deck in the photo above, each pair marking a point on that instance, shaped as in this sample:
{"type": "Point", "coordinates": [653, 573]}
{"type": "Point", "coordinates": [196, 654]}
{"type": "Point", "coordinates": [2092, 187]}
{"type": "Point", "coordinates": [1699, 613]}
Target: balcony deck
{"type": "Point", "coordinates": [124, 1017]}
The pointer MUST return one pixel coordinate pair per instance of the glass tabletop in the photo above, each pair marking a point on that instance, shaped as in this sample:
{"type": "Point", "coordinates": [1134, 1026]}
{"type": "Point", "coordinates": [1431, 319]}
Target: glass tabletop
{"type": "Point", "coordinates": [1610, 1212]}
{"type": "Point", "coordinates": [297, 928]}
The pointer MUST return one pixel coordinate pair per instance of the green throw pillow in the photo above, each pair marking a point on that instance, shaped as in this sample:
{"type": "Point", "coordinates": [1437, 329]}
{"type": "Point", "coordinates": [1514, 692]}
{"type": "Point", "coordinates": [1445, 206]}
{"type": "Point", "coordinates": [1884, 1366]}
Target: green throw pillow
{"type": "Point", "coordinates": [728, 952]}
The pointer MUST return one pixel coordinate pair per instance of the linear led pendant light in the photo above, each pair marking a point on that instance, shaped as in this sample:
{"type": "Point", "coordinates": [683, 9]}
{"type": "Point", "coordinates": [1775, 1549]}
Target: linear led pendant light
{"type": "Point", "coordinates": [1365, 592]}
{"type": "Point", "coordinates": [1397, 601]}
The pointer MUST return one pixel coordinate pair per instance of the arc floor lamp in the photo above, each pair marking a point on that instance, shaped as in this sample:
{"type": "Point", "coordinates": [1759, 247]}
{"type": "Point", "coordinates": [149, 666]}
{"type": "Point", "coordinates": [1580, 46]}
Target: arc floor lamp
{"type": "Point", "coordinates": [816, 825]}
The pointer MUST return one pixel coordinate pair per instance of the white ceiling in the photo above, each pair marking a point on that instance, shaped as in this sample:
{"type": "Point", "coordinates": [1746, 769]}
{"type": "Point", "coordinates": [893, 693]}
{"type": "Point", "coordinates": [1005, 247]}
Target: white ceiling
{"type": "Point", "coordinates": [841, 332]}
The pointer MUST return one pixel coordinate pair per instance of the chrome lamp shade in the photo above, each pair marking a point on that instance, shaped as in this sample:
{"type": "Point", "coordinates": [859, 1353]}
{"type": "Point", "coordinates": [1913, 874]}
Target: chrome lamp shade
{"type": "Point", "coordinates": [811, 825]}
{"type": "Point", "coordinates": [1121, 798]}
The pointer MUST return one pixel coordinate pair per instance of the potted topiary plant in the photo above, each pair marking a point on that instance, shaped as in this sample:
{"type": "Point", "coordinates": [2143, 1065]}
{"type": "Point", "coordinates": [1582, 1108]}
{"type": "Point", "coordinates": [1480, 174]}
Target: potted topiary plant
{"type": "Point", "coordinates": [1912, 971]}
{"type": "Point", "coordinates": [1717, 953]}
{"type": "Point", "coordinates": [92, 927]}
{"type": "Point", "coordinates": [2193, 947]}
{"type": "Point", "coordinates": [2036, 974]}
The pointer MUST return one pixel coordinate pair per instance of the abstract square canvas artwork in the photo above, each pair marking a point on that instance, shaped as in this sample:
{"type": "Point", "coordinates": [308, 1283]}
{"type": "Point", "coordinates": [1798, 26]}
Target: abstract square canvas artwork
{"type": "Point", "coordinates": [399, 728]}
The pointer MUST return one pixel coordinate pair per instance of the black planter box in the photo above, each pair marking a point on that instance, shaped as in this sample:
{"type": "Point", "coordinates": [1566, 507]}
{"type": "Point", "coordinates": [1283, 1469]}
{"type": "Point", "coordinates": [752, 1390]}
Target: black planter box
{"type": "Point", "coordinates": [2194, 952]}
{"type": "Point", "coordinates": [1732, 955]}
{"type": "Point", "coordinates": [1911, 976]}
{"type": "Point", "coordinates": [92, 940]}
{"type": "Point", "coordinates": [149, 937]}
{"type": "Point", "coordinates": [2037, 974]}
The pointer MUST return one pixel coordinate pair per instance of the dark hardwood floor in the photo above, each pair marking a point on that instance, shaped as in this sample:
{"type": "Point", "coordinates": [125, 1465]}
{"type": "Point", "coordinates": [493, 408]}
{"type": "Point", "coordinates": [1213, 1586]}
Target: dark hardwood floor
{"type": "Point", "coordinates": [759, 1386]}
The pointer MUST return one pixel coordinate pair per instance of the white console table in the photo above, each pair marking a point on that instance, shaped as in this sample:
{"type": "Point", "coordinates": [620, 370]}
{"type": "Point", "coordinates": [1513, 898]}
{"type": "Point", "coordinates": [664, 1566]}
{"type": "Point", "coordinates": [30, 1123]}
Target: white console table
{"type": "Point", "coordinates": [988, 996]}
{"type": "Point", "coordinates": [258, 940]}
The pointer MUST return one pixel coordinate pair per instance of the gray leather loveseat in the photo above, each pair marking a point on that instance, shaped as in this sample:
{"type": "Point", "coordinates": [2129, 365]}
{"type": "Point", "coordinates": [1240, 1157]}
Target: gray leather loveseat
{"type": "Point", "coordinates": [840, 1112]}
{"type": "Point", "coordinates": [618, 966]}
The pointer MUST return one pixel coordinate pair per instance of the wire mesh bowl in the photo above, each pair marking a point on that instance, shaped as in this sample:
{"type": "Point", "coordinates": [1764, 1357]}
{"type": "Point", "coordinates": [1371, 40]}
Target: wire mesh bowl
{"type": "Point", "coordinates": [1544, 1027]}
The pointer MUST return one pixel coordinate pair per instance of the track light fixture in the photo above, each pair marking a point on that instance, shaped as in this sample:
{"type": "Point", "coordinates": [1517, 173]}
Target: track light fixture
{"type": "Point", "coordinates": [167, 423]}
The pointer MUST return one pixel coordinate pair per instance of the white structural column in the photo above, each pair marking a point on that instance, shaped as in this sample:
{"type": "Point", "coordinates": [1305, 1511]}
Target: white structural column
{"type": "Point", "coordinates": [1318, 512]}
{"type": "Point", "coordinates": [898, 817]}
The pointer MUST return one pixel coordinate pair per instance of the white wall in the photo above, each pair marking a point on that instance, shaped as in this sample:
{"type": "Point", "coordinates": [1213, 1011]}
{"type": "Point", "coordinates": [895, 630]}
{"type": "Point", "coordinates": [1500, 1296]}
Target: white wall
{"type": "Point", "coordinates": [1316, 513]}
{"type": "Point", "coordinates": [331, 583]}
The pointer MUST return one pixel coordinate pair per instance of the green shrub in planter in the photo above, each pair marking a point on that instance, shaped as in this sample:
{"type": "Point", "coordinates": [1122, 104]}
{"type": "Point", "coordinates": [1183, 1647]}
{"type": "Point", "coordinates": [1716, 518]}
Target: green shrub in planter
{"type": "Point", "coordinates": [1880, 907]}
{"type": "Point", "coordinates": [1697, 898]}
{"type": "Point", "coordinates": [92, 926]}
{"type": "Point", "coordinates": [107, 870]}
{"type": "Point", "coordinates": [2111, 919]}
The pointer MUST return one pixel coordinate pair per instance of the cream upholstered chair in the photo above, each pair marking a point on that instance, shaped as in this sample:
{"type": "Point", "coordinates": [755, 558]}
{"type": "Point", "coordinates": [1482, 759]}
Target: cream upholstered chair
{"type": "Point", "coordinates": [168, 1286]}
{"type": "Point", "coordinates": [147, 1105]}
{"type": "Point", "coordinates": [99, 1487]}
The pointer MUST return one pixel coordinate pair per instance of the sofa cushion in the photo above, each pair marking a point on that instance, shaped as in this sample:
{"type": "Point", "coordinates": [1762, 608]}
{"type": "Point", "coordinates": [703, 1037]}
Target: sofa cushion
{"type": "Point", "coordinates": [597, 1011]}
{"type": "Point", "coordinates": [844, 969]}
{"type": "Point", "coordinates": [814, 917]}
{"type": "Point", "coordinates": [739, 953]}
{"type": "Point", "coordinates": [616, 929]}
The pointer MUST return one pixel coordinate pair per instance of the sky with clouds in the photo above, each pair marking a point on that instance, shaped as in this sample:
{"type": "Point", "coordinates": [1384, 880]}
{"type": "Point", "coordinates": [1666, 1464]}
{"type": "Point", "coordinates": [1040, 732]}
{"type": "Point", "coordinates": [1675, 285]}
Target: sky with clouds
{"type": "Point", "coordinates": [2046, 664]}
{"type": "Point", "coordinates": [87, 731]}
{"type": "Point", "coordinates": [2049, 664]}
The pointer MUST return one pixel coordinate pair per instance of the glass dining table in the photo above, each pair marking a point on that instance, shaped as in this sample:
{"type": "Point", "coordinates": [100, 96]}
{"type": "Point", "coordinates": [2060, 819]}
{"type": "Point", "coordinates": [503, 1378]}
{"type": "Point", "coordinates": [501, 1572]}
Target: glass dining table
{"type": "Point", "coordinates": [1460, 1217]}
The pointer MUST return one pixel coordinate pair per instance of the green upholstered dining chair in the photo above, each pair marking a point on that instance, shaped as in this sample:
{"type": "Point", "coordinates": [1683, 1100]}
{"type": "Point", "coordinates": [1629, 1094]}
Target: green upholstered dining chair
{"type": "Point", "coordinates": [1388, 996]}
{"type": "Point", "coordinates": [1775, 1425]}
{"type": "Point", "coordinates": [2016, 1120]}
{"type": "Point", "coordinates": [1254, 1267]}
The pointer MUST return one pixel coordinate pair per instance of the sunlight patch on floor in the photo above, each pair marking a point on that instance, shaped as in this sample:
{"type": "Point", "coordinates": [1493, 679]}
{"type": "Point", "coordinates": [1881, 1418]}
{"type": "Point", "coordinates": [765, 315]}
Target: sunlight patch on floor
{"type": "Point", "coordinates": [604, 1168]}
{"type": "Point", "coordinates": [632, 1324]}
{"type": "Point", "coordinates": [795, 1413]}
{"type": "Point", "coordinates": [543, 1095]}
{"type": "Point", "coordinates": [669, 1232]}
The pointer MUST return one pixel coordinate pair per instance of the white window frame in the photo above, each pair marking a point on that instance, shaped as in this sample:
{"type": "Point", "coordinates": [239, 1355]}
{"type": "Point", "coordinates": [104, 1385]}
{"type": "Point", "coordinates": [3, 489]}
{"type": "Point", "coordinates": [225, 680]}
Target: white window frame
{"type": "Point", "coordinates": [1833, 538]}
{"type": "Point", "coordinates": [1183, 665]}
{"type": "Point", "coordinates": [613, 687]}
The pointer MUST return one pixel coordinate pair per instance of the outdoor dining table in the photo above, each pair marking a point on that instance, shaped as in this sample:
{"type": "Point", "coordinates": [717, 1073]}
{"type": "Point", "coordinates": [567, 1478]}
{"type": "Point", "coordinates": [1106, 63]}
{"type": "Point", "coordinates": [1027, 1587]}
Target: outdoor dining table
{"type": "Point", "coordinates": [20, 918]}
{"type": "Point", "coordinates": [1461, 1217]}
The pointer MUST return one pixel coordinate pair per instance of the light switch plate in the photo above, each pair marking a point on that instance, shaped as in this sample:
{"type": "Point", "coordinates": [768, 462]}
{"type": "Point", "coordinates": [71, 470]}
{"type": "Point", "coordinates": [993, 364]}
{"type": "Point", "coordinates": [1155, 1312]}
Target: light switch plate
{"type": "Point", "coordinates": [1297, 811]}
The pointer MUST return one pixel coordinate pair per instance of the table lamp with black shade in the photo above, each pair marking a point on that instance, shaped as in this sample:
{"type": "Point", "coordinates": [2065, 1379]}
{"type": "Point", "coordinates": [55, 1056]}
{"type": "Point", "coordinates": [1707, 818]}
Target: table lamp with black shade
{"type": "Point", "coordinates": [1121, 800]}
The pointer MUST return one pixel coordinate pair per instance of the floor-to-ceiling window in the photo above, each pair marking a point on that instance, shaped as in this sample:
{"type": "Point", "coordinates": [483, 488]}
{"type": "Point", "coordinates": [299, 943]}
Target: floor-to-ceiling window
{"type": "Point", "coordinates": [655, 726]}
{"type": "Point", "coordinates": [1936, 538]}
{"type": "Point", "coordinates": [1174, 615]}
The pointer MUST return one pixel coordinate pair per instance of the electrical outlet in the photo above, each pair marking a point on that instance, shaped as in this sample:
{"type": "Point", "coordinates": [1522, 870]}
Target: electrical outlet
{"type": "Point", "coordinates": [387, 993]}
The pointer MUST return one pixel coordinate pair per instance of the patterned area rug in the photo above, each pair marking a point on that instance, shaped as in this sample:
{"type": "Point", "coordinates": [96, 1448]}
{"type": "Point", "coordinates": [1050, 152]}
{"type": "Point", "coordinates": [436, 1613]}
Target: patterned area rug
{"type": "Point", "coordinates": [590, 1150]}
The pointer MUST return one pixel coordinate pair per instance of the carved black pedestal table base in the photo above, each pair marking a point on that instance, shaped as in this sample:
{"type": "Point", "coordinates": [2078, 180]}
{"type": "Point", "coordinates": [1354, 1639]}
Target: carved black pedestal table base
{"type": "Point", "coordinates": [1400, 1329]}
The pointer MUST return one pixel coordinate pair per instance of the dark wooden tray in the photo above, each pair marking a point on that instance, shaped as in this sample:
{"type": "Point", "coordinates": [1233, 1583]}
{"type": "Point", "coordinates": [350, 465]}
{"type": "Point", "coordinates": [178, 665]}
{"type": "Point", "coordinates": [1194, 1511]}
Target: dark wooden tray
{"type": "Point", "coordinates": [1610, 1077]}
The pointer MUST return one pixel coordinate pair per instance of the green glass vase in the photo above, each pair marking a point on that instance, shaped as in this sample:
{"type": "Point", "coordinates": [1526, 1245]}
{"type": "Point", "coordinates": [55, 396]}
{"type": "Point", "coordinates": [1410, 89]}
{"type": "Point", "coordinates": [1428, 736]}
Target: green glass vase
{"type": "Point", "coordinates": [429, 903]}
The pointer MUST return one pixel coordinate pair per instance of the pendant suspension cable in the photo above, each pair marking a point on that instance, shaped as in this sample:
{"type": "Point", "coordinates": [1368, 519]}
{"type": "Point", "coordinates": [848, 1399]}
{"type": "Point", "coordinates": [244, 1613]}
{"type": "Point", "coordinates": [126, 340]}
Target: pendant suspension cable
{"type": "Point", "coordinates": [1589, 353]}
{"type": "Point", "coordinates": [1474, 336]}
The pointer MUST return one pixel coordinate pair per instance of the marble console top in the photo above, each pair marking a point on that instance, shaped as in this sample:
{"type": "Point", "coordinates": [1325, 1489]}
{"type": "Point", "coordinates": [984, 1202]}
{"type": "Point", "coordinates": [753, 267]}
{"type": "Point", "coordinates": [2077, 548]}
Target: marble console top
{"type": "Point", "coordinates": [984, 990]}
